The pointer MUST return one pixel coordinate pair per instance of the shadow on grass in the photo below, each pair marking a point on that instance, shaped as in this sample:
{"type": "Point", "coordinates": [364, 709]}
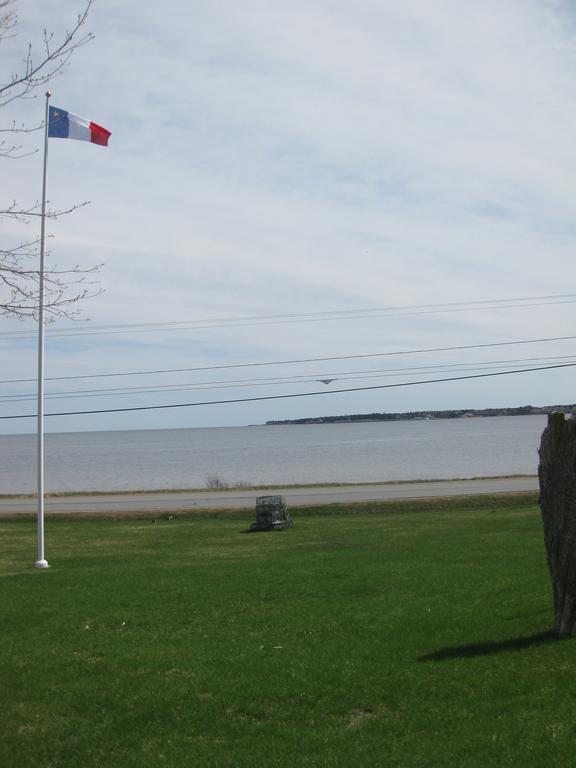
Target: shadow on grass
{"type": "Point", "coordinates": [485, 649]}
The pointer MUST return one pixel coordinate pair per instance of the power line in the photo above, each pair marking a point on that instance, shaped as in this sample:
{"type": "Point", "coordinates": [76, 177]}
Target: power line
{"type": "Point", "coordinates": [482, 365]}
{"type": "Point", "coordinates": [293, 395]}
{"type": "Point", "coordinates": [304, 317]}
{"type": "Point", "coordinates": [229, 366]}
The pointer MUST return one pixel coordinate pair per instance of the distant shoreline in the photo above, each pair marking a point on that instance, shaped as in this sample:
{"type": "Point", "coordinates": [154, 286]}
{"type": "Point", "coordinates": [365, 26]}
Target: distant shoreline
{"type": "Point", "coordinates": [464, 413]}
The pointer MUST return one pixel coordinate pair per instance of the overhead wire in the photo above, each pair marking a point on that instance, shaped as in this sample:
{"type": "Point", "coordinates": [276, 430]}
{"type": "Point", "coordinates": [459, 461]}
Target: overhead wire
{"type": "Point", "coordinates": [330, 358]}
{"type": "Point", "coordinates": [288, 396]}
{"type": "Point", "coordinates": [326, 378]}
{"type": "Point", "coordinates": [304, 317]}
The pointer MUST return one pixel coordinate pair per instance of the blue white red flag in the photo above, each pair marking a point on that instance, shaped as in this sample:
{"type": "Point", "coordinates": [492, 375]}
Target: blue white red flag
{"type": "Point", "coordinates": [65, 125]}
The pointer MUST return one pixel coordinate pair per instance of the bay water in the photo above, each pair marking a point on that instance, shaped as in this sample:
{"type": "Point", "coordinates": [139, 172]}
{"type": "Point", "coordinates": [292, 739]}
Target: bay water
{"type": "Point", "coordinates": [359, 452]}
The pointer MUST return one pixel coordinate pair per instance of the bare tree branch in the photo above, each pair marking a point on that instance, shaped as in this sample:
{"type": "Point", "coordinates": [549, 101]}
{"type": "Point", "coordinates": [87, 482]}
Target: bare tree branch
{"type": "Point", "coordinates": [55, 55]}
{"type": "Point", "coordinates": [51, 213]}
{"type": "Point", "coordinates": [19, 280]}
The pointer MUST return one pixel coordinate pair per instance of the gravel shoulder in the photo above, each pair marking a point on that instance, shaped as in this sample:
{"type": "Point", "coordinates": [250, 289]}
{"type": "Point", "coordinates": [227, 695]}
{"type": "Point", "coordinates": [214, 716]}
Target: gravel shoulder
{"type": "Point", "coordinates": [246, 498]}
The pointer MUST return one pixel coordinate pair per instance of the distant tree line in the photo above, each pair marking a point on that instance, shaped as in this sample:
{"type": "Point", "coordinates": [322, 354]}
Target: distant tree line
{"type": "Point", "coordinates": [522, 410]}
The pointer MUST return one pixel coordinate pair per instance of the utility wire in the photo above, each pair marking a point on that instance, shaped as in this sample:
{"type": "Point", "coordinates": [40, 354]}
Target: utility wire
{"type": "Point", "coordinates": [305, 317]}
{"type": "Point", "coordinates": [326, 378]}
{"type": "Point", "coordinates": [229, 366]}
{"type": "Point", "coordinates": [293, 395]}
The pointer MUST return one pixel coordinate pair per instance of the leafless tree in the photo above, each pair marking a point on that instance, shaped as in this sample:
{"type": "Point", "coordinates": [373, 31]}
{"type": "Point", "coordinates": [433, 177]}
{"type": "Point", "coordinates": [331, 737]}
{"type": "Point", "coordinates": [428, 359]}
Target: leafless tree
{"type": "Point", "coordinates": [19, 276]}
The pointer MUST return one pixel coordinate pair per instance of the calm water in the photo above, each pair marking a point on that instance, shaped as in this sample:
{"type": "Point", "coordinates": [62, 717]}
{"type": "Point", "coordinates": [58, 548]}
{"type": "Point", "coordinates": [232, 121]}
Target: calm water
{"type": "Point", "coordinates": [316, 453]}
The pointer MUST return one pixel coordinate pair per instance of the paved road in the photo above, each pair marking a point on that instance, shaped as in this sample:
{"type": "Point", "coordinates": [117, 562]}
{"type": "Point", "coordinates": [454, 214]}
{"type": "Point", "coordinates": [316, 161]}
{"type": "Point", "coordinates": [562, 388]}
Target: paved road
{"type": "Point", "coordinates": [239, 499]}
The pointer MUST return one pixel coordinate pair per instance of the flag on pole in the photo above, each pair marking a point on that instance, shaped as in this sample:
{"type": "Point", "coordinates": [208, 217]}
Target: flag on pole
{"type": "Point", "coordinates": [65, 125]}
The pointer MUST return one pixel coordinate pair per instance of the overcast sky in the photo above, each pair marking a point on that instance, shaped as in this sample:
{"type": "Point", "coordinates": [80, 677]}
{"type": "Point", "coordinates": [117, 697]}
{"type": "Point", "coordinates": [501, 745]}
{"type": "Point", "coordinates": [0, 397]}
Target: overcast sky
{"type": "Point", "coordinates": [318, 156]}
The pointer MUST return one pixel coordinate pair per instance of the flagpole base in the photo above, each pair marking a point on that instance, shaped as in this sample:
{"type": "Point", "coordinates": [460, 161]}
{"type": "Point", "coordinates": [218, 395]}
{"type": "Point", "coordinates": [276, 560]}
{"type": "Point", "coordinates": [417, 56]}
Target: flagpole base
{"type": "Point", "coordinates": [41, 564]}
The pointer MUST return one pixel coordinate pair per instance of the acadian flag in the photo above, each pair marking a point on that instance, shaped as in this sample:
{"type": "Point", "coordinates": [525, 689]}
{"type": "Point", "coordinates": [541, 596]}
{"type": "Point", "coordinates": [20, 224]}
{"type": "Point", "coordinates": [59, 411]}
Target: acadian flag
{"type": "Point", "coordinates": [65, 125]}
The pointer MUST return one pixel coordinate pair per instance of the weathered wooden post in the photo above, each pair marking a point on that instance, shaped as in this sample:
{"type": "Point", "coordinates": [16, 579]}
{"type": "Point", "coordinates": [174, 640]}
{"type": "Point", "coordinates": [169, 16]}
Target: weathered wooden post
{"type": "Point", "coordinates": [557, 475]}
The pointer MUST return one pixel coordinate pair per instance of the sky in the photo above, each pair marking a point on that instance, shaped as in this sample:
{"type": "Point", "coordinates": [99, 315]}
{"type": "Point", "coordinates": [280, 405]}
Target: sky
{"type": "Point", "coordinates": [358, 179]}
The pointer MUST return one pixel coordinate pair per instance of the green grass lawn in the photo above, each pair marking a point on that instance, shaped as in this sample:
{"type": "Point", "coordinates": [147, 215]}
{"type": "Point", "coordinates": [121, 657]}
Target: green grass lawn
{"type": "Point", "coordinates": [389, 639]}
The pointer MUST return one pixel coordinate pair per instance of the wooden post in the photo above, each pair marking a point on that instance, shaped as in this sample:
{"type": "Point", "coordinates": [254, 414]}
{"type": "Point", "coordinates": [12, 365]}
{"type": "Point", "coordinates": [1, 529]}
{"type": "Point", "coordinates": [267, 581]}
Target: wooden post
{"type": "Point", "coordinates": [557, 475]}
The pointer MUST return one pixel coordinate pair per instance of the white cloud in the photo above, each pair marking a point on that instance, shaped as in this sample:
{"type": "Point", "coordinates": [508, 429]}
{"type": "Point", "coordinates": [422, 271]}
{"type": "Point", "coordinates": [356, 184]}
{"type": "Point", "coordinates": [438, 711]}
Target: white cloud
{"type": "Point", "coordinates": [270, 157]}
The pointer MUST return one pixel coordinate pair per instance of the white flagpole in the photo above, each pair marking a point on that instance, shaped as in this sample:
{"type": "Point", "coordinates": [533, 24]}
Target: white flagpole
{"type": "Point", "coordinates": [41, 562]}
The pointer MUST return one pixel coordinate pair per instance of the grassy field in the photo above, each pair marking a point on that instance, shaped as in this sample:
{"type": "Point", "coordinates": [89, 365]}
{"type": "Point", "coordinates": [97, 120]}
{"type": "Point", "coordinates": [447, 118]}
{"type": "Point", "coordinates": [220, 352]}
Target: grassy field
{"type": "Point", "coordinates": [396, 638]}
